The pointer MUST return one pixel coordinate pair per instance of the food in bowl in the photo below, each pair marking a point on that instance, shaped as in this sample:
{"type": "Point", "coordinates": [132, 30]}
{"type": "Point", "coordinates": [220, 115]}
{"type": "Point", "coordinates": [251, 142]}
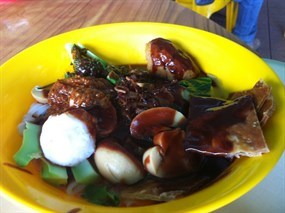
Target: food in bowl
{"type": "Point", "coordinates": [136, 135]}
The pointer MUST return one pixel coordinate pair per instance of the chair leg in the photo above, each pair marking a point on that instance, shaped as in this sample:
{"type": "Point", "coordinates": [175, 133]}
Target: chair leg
{"type": "Point", "coordinates": [228, 17]}
{"type": "Point", "coordinates": [231, 15]}
{"type": "Point", "coordinates": [235, 13]}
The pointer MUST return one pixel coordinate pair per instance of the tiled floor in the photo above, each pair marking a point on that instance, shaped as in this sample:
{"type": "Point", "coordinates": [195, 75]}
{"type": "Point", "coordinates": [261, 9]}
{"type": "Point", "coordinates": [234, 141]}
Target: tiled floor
{"type": "Point", "coordinates": [271, 29]}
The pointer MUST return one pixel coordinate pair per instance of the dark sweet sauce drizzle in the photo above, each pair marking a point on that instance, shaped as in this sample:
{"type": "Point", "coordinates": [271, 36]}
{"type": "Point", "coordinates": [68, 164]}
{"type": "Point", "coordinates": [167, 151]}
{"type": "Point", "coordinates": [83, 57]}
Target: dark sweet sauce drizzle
{"type": "Point", "coordinates": [166, 55]}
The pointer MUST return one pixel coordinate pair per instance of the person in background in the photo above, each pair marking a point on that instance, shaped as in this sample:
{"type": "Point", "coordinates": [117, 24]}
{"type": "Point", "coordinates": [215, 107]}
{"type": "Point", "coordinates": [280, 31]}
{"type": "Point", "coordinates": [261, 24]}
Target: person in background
{"type": "Point", "coordinates": [247, 19]}
{"type": "Point", "coordinates": [246, 23]}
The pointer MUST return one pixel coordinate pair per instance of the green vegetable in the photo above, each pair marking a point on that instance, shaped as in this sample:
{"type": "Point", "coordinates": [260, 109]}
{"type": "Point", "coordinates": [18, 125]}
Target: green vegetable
{"type": "Point", "coordinates": [85, 63]}
{"type": "Point", "coordinates": [113, 77]}
{"type": "Point", "coordinates": [85, 52]}
{"type": "Point", "coordinates": [30, 148]}
{"type": "Point", "coordinates": [95, 57]}
{"type": "Point", "coordinates": [84, 173]}
{"type": "Point", "coordinates": [54, 174]}
{"type": "Point", "coordinates": [100, 195]}
{"type": "Point", "coordinates": [197, 87]}
{"type": "Point", "coordinates": [69, 75]}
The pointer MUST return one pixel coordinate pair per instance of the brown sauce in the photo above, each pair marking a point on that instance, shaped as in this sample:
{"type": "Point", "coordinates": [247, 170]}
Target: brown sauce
{"type": "Point", "coordinates": [45, 93]}
{"type": "Point", "coordinates": [17, 167]}
{"type": "Point", "coordinates": [165, 55]}
{"type": "Point", "coordinates": [213, 169]}
{"type": "Point", "coordinates": [210, 169]}
{"type": "Point", "coordinates": [75, 210]}
{"type": "Point", "coordinates": [208, 128]}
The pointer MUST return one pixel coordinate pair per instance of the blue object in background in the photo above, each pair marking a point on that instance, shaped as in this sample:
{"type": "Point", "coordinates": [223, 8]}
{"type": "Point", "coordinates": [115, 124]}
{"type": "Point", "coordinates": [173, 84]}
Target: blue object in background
{"type": "Point", "coordinates": [247, 18]}
{"type": "Point", "coordinates": [246, 24]}
{"type": "Point", "coordinates": [204, 2]}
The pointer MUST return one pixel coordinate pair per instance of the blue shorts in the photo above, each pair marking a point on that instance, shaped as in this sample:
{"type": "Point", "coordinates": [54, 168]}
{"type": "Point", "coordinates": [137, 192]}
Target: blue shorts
{"type": "Point", "coordinates": [247, 19]}
{"type": "Point", "coordinates": [246, 24]}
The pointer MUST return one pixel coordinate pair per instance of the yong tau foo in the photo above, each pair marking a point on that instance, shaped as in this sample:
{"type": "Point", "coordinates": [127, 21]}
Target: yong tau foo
{"type": "Point", "coordinates": [133, 134]}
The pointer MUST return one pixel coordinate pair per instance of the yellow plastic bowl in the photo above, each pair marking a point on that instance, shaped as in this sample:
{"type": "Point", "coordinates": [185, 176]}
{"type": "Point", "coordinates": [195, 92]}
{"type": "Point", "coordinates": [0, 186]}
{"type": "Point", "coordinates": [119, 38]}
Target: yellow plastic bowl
{"type": "Point", "coordinates": [124, 43]}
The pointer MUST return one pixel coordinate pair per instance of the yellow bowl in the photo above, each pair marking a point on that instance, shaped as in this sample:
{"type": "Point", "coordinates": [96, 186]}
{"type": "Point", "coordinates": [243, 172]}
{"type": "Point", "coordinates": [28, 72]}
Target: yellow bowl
{"type": "Point", "coordinates": [124, 43]}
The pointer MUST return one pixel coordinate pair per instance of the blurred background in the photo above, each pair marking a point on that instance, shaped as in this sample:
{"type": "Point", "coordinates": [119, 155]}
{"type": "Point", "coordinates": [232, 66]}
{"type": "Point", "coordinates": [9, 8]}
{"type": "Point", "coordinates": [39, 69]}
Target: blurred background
{"type": "Point", "coordinates": [271, 29]}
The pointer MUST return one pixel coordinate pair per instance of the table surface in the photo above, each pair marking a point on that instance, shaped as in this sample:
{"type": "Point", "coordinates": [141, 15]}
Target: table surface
{"type": "Point", "coordinates": [26, 22]}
